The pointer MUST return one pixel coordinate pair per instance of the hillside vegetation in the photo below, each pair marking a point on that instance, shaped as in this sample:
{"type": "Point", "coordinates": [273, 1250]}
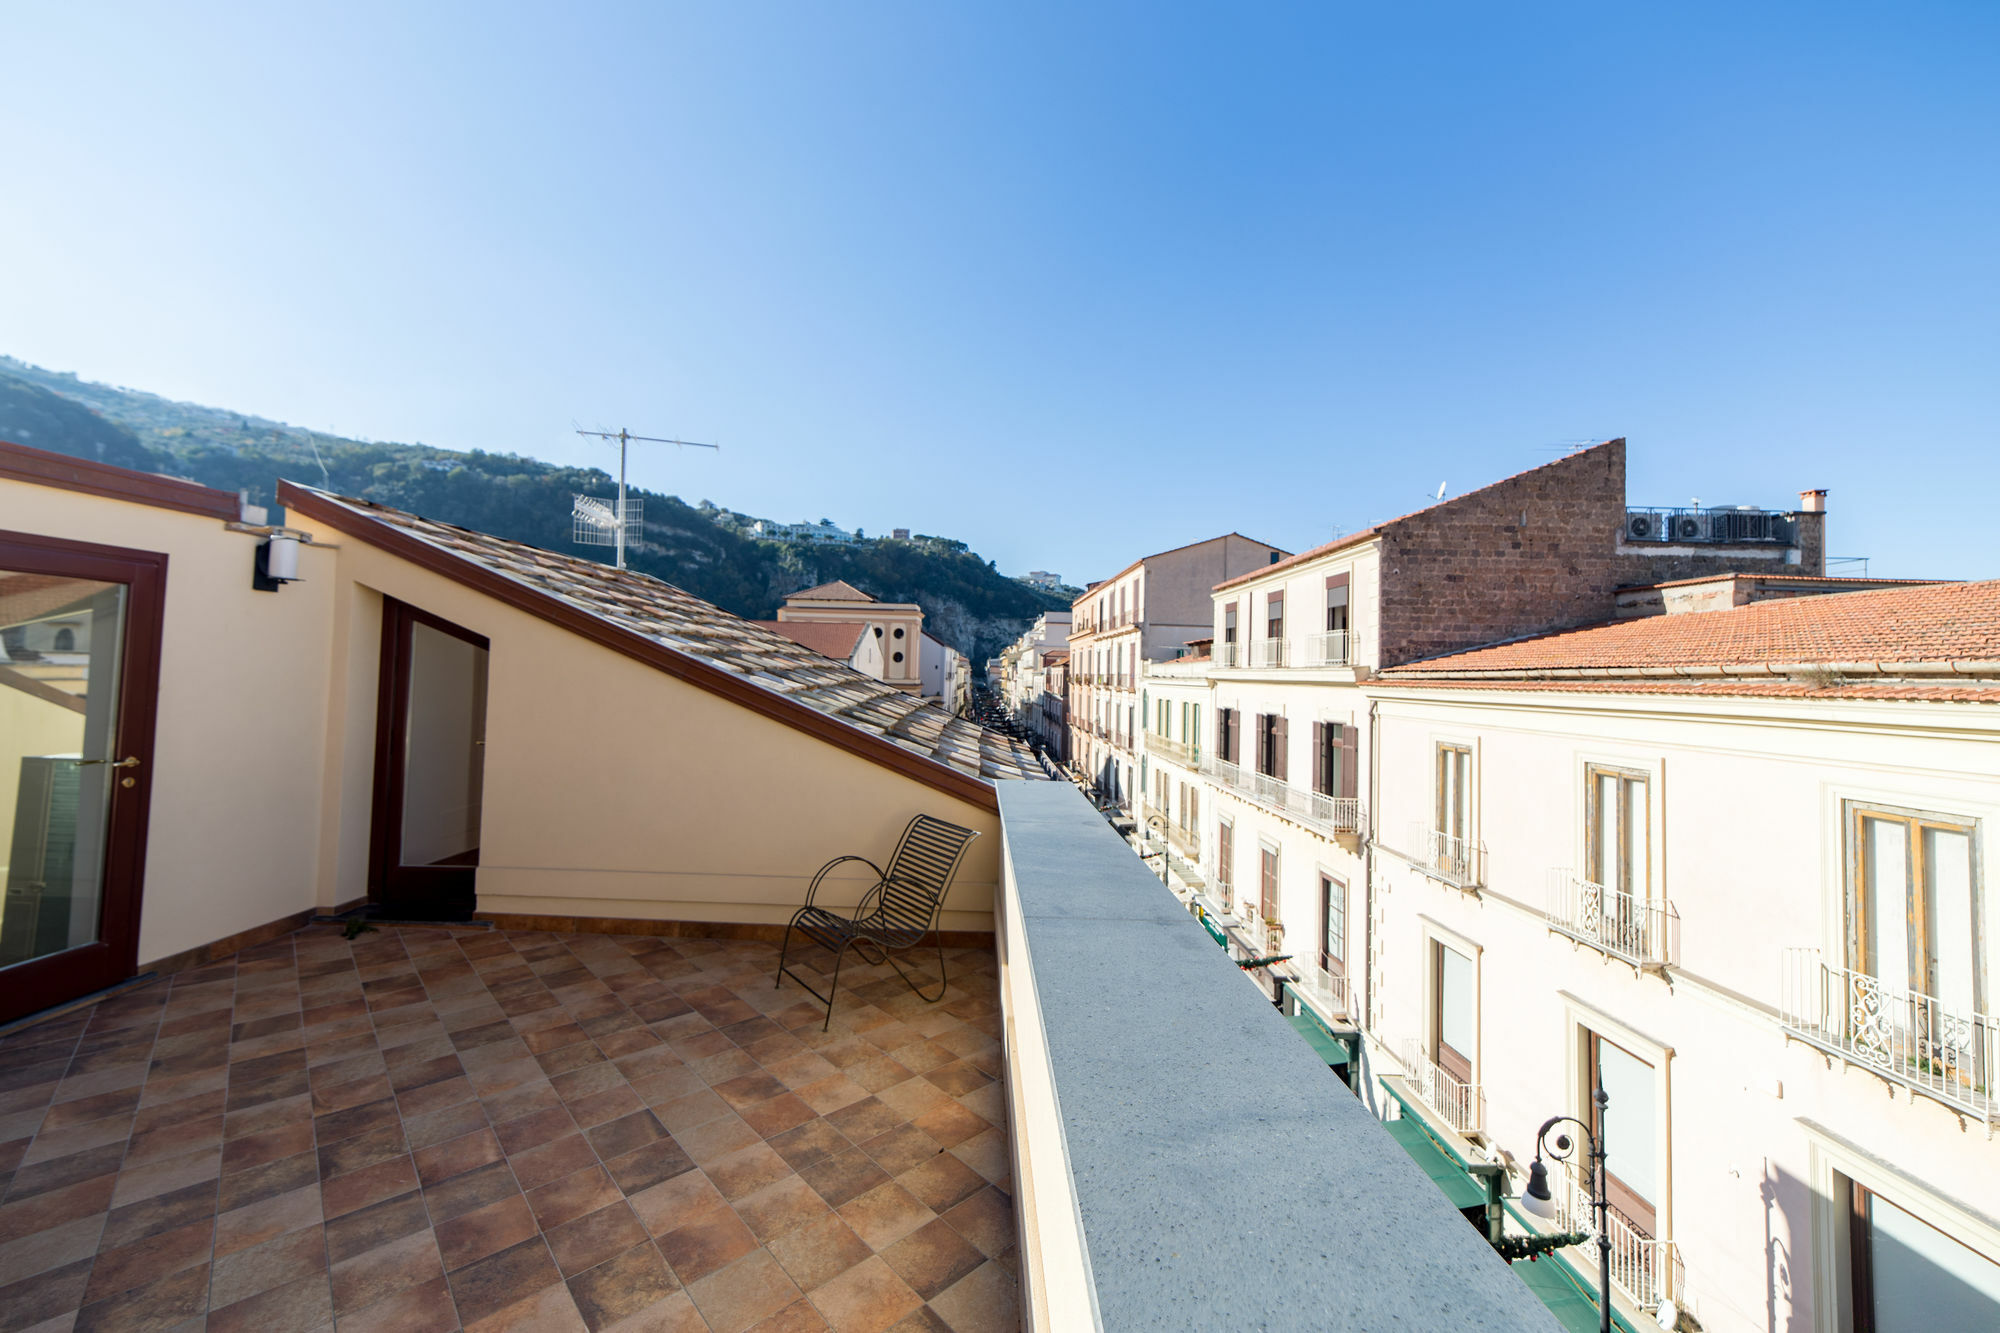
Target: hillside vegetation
{"type": "Point", "coordinates": [967, 603]}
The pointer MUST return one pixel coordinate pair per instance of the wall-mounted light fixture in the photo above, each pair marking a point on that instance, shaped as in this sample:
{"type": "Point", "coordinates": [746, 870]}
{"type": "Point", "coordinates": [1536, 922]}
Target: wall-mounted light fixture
{"type": "Point", "coordinates": [277, 563]}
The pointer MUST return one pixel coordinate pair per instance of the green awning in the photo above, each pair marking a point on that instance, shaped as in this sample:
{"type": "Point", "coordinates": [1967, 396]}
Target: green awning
{"type": "Point", "coordinates": [1214, 931]}
{"type": "Point", "coordinates": [1329, 1048]}
{"type": "Point", "coordinates": [1462, 1190]}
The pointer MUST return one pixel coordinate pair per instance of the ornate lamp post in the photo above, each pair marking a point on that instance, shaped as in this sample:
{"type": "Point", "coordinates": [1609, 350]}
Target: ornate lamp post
{"type": "Point", "coordinates": [1537, 1199]}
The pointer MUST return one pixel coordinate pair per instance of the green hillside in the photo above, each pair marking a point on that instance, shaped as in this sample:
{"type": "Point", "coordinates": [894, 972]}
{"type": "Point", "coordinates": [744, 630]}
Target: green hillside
{"type": "Point", "coordinates": [967, 603]}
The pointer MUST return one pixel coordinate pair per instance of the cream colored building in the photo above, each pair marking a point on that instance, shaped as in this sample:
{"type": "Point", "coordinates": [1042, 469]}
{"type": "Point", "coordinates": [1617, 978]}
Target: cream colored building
{"type": "Point", "coordinates": [896, 627]}
{"type": "Point", "coordinates": [1734, 866]}
{"type": "Point", "coordinates": [426, 718]}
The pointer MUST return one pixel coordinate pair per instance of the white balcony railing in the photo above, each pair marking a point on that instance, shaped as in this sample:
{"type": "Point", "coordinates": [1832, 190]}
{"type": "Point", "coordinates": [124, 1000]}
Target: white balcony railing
{"type": "Point", "coordinates": [1269, 652]}
{"type": "Point", "coordinates": [1328, 648]}
{"type": "Point", "coordinates": [1642, 931]}
{"type": "Point", "coordinates": [1181, 752]}
{"type": "Point", "coordinates": [1226, 654]}
{"type": "Point", "coordinates": [1325, 991]}
{"type": "Point", "coordinates": [1440, 854]}
{"type": "Point", "coordinates": [1329, 814]}
{"type": "Point", "coordinates": [1645, 1270]}
{"type": "Point", "coordinates": [1460, 1105]}
{"type": "Point", "coordinates": [1950, 1054]}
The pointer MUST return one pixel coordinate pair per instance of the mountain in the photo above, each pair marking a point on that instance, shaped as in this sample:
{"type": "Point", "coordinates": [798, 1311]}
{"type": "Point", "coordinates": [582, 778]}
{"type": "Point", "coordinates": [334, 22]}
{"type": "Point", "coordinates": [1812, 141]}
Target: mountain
{"type": "Point", "coordinates": [967, 603]}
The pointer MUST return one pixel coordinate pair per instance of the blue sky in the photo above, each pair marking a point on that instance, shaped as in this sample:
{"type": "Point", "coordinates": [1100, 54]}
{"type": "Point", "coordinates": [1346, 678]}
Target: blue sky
{"type": "Point", "coordinates": [1075, 283]}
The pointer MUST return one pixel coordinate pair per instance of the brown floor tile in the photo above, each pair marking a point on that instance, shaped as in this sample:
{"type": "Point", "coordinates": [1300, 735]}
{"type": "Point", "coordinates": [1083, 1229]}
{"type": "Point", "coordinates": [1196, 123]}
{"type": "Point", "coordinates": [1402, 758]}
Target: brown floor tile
{"type": "Point", "coordinates": [573, 1196]}
{"type": "Point", "coordinates": [626, 1134]}
{"type": "Point", "coordinates": [865, 1119]}
{"type": "Point", "coordinates": [867, 1298]}
{"type": "Point", "coordinates": [162, 1304]}
{"type": "Point", "coordinates": [367, 1118]}
{"type": "Point", "coordinates": [123, 1101]}
{"type": "Point", "coordinates": [808, 1143]}
{"type": "Point", "coordinates": [552, 1161]}
{"type": "Point", "coordinates": [163, 1212]}
{"type": "Point", "coordinates": [144, 1261]}
{"type": "Point", "coordinates": [648, 1166]}
{"type": "Point", "coordinates": [843, 1176]}
{"type": "Point", "coordinates": [942, 1182]}
{"type": "Point", "coordinates": [705, 1241]}
{"type": "Point", "coordinates": [536, 1128]}
{"type": "Point", "coordinates": [361, 1151]}
{"type": "Point", "coordinates": [442, 1161]}
{"type": "Point", "coordinates": [902, 1148]}
{"type": "Point", "coordinates": [798, 1317]}
{"type": "Point", "coordinates": [622, 1287]}
{"type": "Point", "coordinates": [485, 1231]}
{"type": "Point", "coordinates": [502, 1279]}
{"type": "Point", "coordinates": [62, 1172]}
{"type": "Point", "coordinates": [53, 1143]}
{"type": "Point", "coordinates": [357, 1189]}
{"type": "Point", "coordinates": [474, 1189]}
{"type": "Point", "coordinates": [239, 1154]}
{"type": "Point", "coordinates": [601, 1107]}
{"type": "Point", "coordinates": [884, 1215]}
{"type": "Point", "coordinates": [716, 1139]}
{"type": "Point", "coordinates": [435, 1097]}
{"type": "Point", "coordinates": [819, 1251]}
{"type": "Point", "coordinates": [303, 1304]}
{"type": "Point", "coordinates": [256, 1223]}
{"type": "Point", "coordinates": [694, 1109]}
{"type": "Point", "coordinates": [377, 1225]}
{"type": "Point", "coordinates": [595, 1237]}
{"type": "Point", "coordinates": [986, 1219]}
{"type": "Point", "coordinates": [748, 1291]}
{"type": "Point", "coordinates": [987, 1153]}
{"type": "Point", "coordinates": [262, 1119]}
{"type": "Point", "coordinates": [782, 1206]}
{"type": "Point", "coordinates": [51, 1248]}
{"type": "Point", "coordinates": [46, 1295]}
{"type": "Point", "coordinates": [832, 1093]}
{"type": "Point", "coordinates": [372, 1275]}
{"type": "Point", "coordinates": [442, 1126]}
{"type": "Point", "coordinates": [747, 1170]}
{"type": "Point", "coordinates": [985, 1301]}
{"type": "Point", "coordinates": [958, 1078]}
{"type": "Point", "coordinates": [424, 1308]}
{"type": "Point", "coordinates": [933, 1257]}
{"type": "Point", "coordinates": [549, 1310]}
{"type": "Point", "coordinates": [275, 1263]}
{"type": "Point", "coordinates": [950, 1123]}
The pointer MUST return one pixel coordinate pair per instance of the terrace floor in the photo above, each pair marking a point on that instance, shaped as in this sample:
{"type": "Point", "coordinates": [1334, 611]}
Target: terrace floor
{"type": "Point", "coordinates": [434, 1129]}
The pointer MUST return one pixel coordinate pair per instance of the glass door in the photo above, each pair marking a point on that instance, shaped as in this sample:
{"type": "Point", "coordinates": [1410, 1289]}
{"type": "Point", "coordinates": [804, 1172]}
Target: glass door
{"type": "Point", "coordinates": [430, 767]}
{"type": "Point", "coordinates": [79, 662]}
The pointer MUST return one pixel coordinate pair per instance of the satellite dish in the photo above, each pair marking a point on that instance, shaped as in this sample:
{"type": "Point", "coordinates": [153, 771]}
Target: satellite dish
{"type": "Point", "coordinates": [1440, 494]}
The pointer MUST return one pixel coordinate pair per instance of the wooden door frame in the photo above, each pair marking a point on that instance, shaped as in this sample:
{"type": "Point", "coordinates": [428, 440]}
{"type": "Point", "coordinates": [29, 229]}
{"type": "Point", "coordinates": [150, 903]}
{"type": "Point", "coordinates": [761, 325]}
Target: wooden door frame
{"type": "Point", "coordinates": [392, 717]}
{"type": "Point", "coordinates": [114, 956]}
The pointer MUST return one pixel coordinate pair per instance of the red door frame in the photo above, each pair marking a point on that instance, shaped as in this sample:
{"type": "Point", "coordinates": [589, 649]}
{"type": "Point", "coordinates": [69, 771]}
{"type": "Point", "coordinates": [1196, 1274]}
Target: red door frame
{"type": "Point", "coordinates": [40, 983]}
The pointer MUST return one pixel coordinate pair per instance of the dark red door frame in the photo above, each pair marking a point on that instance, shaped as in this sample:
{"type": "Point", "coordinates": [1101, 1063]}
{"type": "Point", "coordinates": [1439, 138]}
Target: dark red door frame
{"type": "Point", "coordinates": [39, 983]}
{"type": "Point", "coordinates": [428, 893]}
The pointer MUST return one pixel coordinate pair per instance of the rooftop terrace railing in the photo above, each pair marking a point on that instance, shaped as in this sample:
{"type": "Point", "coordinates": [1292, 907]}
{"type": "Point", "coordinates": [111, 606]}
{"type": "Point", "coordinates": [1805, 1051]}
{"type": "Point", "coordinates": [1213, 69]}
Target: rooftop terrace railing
{"type": "Point", "coordinates": [1149, 1133]}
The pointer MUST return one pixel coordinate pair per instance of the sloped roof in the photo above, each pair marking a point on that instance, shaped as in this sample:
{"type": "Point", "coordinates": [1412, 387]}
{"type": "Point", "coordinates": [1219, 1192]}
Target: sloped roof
{"type": "Point", "coordinates": [829, 638]}
{"type": "Point", "coordinates": [1956, 623]}
{"type": "Point", "coordinates": [840, 590]}
{"type": "Point", "coordinates": [701, 643]}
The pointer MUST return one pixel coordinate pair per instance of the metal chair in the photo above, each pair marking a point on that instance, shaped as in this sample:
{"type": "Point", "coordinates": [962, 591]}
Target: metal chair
{"type": "Point", "coordinates": [894, 916]}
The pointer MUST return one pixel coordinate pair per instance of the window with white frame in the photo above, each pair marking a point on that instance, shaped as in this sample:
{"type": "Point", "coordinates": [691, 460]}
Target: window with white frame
{"type": "Point", "coordinates": [1617, 821]}
{"type": "Point", "coordinates": [1915, 915]}
{"type": "Point", "coordinates": [1906, 1276]}
{"type": "Point", "coordinates": [1333, 925]}
{"type": "Point", "coordinates": [1628, 1126]}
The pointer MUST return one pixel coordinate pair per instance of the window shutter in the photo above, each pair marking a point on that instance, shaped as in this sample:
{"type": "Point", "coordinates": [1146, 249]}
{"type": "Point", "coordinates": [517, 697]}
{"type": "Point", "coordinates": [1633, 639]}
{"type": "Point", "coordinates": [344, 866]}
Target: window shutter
{"type": "Point", "coordinates": [1350, 762]}
{"type": "Point", "coordinates": [1319, 757]}
{"type": "Point", "coordinates": [1279, 757]}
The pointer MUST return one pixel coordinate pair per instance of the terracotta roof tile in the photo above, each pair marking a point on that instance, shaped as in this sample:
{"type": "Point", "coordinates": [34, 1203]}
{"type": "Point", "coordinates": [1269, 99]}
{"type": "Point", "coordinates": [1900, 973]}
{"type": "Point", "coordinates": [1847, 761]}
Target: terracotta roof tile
{"type": "Point", "coordinates": [840, 590]}
{"type": "Point", "coordinates": [1933, 623]}
{"type": "Point", "coordinates": [829, 638]}
{"type": "Point", "coordinates": [1727, 686]}
{"type": "Point", "coordinates": [656, 610]}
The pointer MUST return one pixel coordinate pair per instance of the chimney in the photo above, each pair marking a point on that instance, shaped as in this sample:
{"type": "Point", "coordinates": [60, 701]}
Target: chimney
{"type": "Point", "coordinates": [1808, 553]}
{"type": "Point", "coordinates": [1812, 502]}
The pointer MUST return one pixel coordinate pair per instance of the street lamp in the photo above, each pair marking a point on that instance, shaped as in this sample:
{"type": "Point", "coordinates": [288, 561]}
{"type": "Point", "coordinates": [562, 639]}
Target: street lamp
{"type": "Point", "coordinates": [1537, 1199]}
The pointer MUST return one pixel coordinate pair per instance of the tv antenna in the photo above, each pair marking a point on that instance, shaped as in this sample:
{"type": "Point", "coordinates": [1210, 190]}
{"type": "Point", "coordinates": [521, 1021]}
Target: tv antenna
{"type": "Point", "coordinates": [598, 523]}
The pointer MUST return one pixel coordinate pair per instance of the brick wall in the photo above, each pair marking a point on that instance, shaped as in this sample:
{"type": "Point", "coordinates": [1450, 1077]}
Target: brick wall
{"type": "Point", "coordinates": [1535, 552]}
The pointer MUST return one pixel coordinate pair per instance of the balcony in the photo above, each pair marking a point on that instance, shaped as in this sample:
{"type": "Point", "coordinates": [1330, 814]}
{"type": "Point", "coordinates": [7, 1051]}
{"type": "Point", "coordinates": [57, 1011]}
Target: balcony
{"type": "Point", "coordinates": [1950, 1054]}
{"type": "Point", "coordinates": [1335, 816]}
{"type": "Point", "coordinates": [1329, 648]}
{"type": "Point", "coordinates": [1645, 1270]}
{"type": "Point", "coordinates": [1185, 841]}
{"type": "Point", "coordinates": [1180, 752]}
{"type": "Point", "coordinates": [1269, 653]}
{"type": "Point", "coordinates": [1323, 990]}
{"type": "Point", "coordinates": [1147, 1132]}
{"type": "Point", "coordinates": [1641, 931]}
{"type": "Point", "coordinates": [1457, 861]}
{"type": "Point", "coordinates": [1460, 1105]}
{"type": "Point", "coordinates": [1226, 654]}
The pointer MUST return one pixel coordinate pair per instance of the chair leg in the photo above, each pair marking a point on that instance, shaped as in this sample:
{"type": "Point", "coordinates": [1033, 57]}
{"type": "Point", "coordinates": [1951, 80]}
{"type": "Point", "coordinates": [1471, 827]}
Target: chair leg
{"type": "Point", "coordinates": [779, 980]}
{"type": "Point", "coordinates": [942, 980]}
{"type": "Point", "coordinates": [833, 987]}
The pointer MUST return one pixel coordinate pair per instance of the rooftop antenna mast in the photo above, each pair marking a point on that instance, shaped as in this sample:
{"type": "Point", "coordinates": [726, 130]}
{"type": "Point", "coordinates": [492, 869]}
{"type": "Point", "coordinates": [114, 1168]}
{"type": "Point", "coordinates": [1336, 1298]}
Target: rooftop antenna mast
{"type": "Point", "coordinates": [596, 520]}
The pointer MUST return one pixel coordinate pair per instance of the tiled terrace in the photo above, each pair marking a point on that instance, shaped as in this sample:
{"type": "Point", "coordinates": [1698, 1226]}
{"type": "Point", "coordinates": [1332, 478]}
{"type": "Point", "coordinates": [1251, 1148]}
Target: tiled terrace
{"type": "Point", "coordinates": [429, 1129]}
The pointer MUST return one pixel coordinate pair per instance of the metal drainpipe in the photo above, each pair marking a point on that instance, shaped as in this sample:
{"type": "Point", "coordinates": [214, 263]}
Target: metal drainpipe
{"type": "Point", "coordinates": [1368, 867]}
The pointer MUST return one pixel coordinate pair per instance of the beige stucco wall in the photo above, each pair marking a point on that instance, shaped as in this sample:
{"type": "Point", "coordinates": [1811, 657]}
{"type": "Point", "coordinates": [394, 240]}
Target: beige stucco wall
{"type": "Point", "coordinates": [236, 772]}
{"type": "Point", "coordinates": [615, 790]}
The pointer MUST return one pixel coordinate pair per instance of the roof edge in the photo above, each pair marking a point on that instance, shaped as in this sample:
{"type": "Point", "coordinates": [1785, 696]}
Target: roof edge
{"type": "Point", "coordinates": [544, 606]}
{"type": "Point", "coordinates": [44, 467]}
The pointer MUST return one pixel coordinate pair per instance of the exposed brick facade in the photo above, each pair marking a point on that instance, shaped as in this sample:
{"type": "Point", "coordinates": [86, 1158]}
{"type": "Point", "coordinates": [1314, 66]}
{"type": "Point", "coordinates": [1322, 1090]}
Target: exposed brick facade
{"type": "Point", "coordinates": [1536, 552]}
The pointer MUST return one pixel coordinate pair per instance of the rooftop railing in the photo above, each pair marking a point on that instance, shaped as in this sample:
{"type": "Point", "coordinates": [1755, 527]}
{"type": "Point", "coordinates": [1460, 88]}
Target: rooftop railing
{"type": "Point", "coordinates": [1642, 931]}
{"type": "Point", "coordinates": [1947, 1052]}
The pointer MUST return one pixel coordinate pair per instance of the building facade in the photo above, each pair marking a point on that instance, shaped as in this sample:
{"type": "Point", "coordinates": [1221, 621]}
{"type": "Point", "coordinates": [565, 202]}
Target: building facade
{"type": "Point", "coordinates": [896, 627]}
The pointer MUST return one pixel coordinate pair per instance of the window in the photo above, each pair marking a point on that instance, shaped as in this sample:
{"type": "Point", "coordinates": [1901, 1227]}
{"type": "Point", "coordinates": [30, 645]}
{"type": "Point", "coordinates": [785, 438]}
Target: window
{"type": "Point", "coordinates": [898, 657]}
{"type": "Point", "coordinates": [1271, 745]}
{"type": "Point", "coordinates": [1267, 881]}
{"type": "Point", "coordinates": [1225, 862]}
{"type": "Point", "coordinates": [1334, 759]}
{"type": "Point", "coordinates": [1629, 1128]}
{"type": "Point", "coordinates": [1274, 615]}
{"type": "Point", "coordinates": [1616, 822]}
{"type": "Point", "coordinates": [1336, 603]}
{"type": "Point", "coordinates": [65, 641]}
{"type": "Point", "coordinates": [1906, 1276]}
{"type": "Point", "coordinates": [1915, 913]}
{"type": "Point", "coordinates": [899, 631]}
{"type": "Point", "coordinates": [1225, 734]}
{"type": "Point", "coordinates": [1229, 624]}
{"type": "Point", "coordinates": [1452, 1003]}
{"type": "Point", "coordinates": [1333, 925]}
{"type": "Point", "coordinates": [1454, 783]}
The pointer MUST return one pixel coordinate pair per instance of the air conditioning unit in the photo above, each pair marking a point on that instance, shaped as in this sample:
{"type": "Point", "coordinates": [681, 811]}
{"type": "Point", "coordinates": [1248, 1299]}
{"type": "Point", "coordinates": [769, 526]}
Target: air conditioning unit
{"type": "Point", "coordinates": [1689, 527]}
{"type": "Point", "coordinates": [1644, 527]}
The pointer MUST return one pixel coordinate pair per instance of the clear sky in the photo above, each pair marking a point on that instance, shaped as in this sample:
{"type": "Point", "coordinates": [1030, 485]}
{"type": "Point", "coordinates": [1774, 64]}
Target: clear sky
{"type": "Point", "coordinates": [1072, 282]}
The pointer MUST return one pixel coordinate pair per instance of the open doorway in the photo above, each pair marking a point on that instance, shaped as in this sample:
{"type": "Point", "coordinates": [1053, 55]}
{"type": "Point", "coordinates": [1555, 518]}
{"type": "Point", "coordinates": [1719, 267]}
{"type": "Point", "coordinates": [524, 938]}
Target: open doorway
{"type": "Point", "coordinates": [430, 760]}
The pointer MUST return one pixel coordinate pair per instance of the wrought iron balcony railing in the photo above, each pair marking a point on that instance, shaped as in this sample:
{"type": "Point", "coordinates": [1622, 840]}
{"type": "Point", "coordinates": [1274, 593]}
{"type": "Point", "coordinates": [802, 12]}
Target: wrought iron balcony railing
{"type": "Point", "coordinates": [1327, 814]}
{"type": "Point", "coordinates": [1947, 1052]}
{"type": "Point", "coordinates": [1460, 1105]}
{"type": "Point", "coordinates": [1644, 932]}
{"type": "Point", "coordinates": [1645, 1270]}
{"type": "Point", "coordinates": [1458, 860]}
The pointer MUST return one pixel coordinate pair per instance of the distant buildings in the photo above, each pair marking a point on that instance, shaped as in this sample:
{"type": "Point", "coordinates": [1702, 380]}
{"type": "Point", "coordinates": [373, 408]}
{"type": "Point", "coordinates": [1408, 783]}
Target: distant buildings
{"type": "Point", "coordinates": [1042, 579]}
{"type": "Point", "coordinates": [880, 639]}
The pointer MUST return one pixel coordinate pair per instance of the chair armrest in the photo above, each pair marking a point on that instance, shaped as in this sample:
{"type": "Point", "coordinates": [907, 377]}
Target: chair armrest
{"type": "Point", "coordinates": [813, 888]}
